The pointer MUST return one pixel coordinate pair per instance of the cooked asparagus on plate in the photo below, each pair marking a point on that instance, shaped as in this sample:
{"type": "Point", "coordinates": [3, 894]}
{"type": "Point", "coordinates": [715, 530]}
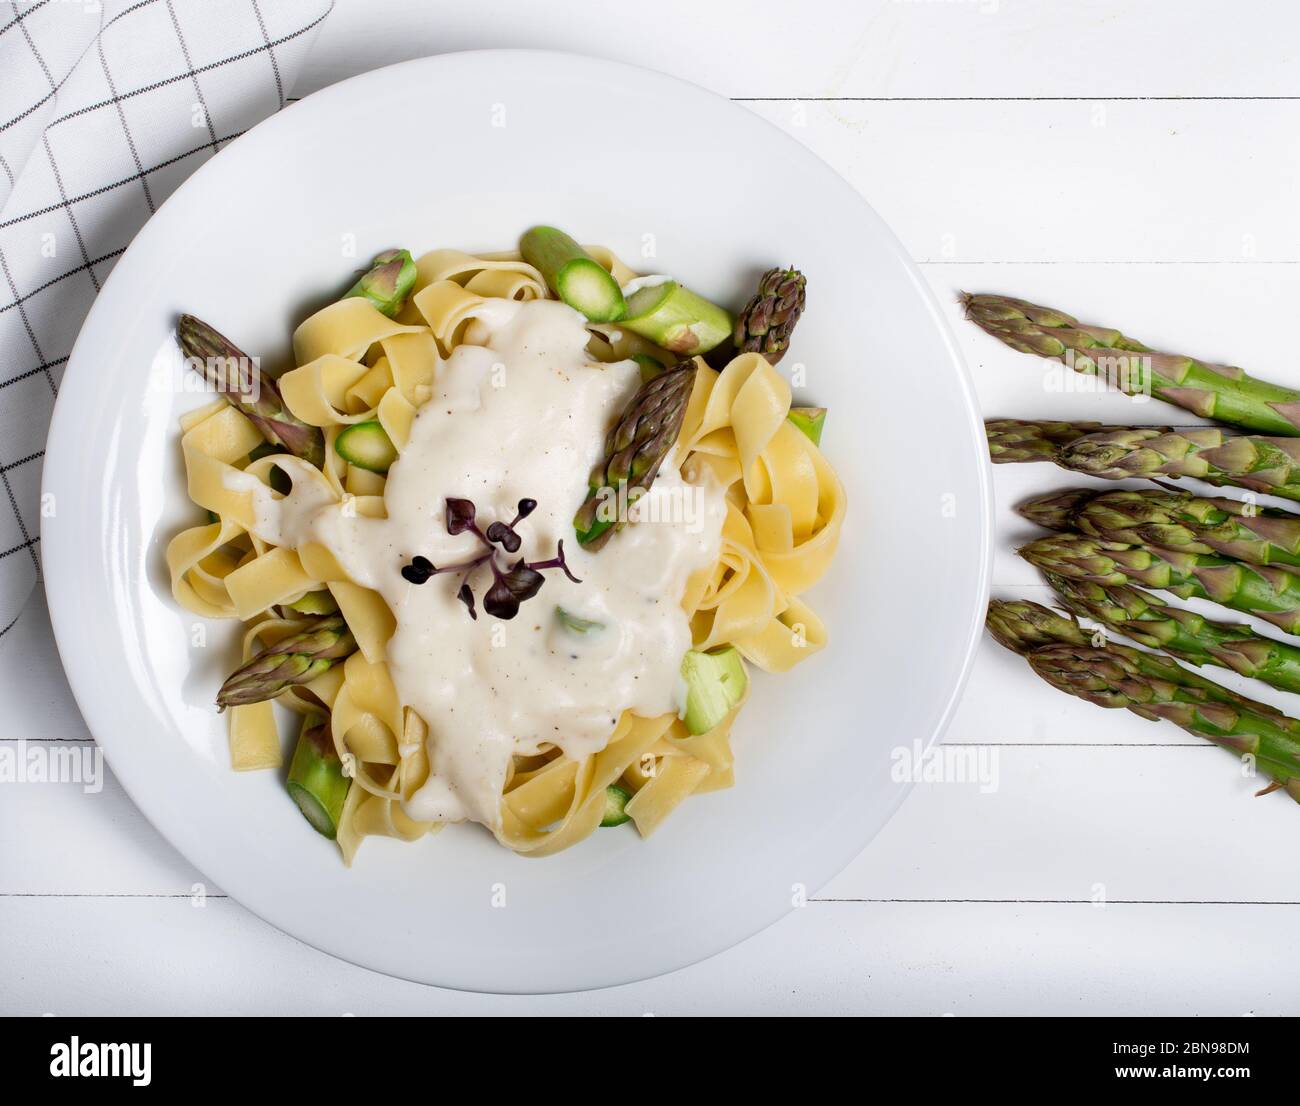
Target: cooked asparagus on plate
{"type": "Point", "coordinates": [366, 445]}
{"type": "Point", "coordinates": [766, 323]}
{"type": "Point", "coordinates": [297, 659]}
{"type": "Point", "coordinates": [676, 319]}
{"type": "Point", "coordinates": [573, 274]}
{"type": "Point", "coordinates": [388, 282]}
{"type": "Point", "coordinates": [316, 780]}
{"type": "Point", "coordinates": [237, 377]}
{"type": "Point", "coordinates": [810, 421]}
{"type": "Point", "coordinates": [634, 450]}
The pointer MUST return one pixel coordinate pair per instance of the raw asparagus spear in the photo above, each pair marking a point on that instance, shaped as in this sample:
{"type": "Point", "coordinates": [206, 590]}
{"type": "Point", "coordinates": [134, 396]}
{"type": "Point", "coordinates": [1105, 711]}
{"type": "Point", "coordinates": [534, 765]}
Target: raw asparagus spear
{"type": "Point", "coordinates": [316, 780]}
{"type": "Point", "coordinates": [1021, 626]}
{"type": "Point", "coordinates": [1213, 391]}
{"type": "Point", "coordinates": [297, 659]}
{"type": "Point", "coordinates": [1154, 687]}
{"type": "Point", "coordinates": [677, 319]}
{"type": "Point", "coordinates": [1056, 510]}
{"type": "Point", "coordinates": [390, 280]}
{"type": "Point", "coordinates": [767, 321]}
{"type": "Point", "coordinates": [1174, 520]}
{"type": "Point", "coordinates": [237, 377]}
{"type": "Point", "coordinates": [1268, 465]}
{"type": "Point", "coordinates": [1149, 621]}
{"type": "Point", "coordinates": [573, 274]}
{"type": "Point", "coordinates": [634, 450]}
{"type": "Point", "coordinates": [1017, 440]}
{"type": "Point", "coordinates": [1268, 591]}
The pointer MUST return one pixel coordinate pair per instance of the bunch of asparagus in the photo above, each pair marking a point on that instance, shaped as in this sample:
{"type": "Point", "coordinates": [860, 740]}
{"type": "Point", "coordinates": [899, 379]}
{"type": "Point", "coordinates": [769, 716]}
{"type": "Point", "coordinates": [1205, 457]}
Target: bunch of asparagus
{"type": "Point", "coordinates": [1151, 686]}
{"type": "Point", "coordinates": [1111, 545]}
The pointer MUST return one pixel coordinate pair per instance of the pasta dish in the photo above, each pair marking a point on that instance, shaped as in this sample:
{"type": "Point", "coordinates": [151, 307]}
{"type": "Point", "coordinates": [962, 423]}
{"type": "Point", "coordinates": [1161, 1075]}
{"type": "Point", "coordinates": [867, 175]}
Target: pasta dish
{"type": "Point", "coordinates": [508, 538]}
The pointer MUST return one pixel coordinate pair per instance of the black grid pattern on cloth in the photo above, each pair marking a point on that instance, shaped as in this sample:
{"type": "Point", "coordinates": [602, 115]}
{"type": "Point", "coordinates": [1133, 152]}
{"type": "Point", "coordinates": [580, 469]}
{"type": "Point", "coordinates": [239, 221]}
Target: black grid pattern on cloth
{"type": "Point", "coordinates": [105, 107]}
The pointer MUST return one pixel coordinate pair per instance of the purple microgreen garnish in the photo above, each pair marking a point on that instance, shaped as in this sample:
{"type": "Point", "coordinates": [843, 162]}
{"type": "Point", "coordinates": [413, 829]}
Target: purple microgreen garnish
{"type": "Point", "coordinates": [460, 516]}
{"type": "Point", "coordinates": [418, 571]}
{"type": "Point", "coordinates": [511, 588]}
{"type": "Point", "coordinates": [512, 585]}
{"type": "Point", "coordinates": [557, 562]}
{"type": "Point", "coordinates": [466, 596]}
{"type": "Point", "coordinates": [523, 580]}
{"type": "Point", "coordinates": [504, 536]}
{"type": "Point", "coordinates": [421, 568]}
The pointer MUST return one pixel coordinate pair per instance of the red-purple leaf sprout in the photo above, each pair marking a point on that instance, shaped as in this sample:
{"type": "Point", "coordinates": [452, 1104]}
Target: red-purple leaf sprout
{"type": "Point", "coordinates": [511, 585]}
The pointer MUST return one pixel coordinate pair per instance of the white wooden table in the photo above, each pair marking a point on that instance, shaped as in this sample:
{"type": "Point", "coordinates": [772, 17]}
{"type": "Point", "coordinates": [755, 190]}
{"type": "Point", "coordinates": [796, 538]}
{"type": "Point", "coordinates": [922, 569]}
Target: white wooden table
{"type": "Point", "coordinates": [1134, 162]}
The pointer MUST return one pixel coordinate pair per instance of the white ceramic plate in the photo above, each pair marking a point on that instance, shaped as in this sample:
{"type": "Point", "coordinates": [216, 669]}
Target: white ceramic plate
{"type": "Point", "coordinates": [468, 150]}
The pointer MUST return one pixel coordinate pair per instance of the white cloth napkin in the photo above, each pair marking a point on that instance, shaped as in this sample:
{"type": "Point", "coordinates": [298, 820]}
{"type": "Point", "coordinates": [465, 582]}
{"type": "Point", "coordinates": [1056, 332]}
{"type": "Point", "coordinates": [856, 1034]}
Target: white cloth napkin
{"type": "Point", "coordinates": [105, 107]}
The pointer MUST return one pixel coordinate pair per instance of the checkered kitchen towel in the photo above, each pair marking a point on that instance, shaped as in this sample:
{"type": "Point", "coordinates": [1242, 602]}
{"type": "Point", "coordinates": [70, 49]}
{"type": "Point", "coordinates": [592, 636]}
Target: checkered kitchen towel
{"type": "Point", "coordinates": [105, 107]}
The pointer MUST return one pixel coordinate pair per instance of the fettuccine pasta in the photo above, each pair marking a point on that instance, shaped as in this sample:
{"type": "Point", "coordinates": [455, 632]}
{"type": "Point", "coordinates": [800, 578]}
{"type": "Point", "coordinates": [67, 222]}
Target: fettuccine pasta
{"type": "Point", "coordinates": [289, 546]}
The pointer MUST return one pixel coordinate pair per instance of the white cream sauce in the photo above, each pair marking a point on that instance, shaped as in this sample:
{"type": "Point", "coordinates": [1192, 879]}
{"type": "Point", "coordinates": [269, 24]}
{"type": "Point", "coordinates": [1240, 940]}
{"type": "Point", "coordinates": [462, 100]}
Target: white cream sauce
{"type": "Point", "coordinates": [521, 413]}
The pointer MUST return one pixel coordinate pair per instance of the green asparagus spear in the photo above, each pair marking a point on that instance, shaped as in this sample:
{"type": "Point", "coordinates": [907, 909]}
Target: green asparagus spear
{"type": "Point", "coordinates": [1174, 520]}
{"type": "Point", "coordinates": [810, 421]}
{"type": "Point", "coordinates": [279, 479]}
{"type": "Point", "coordinates": [316, 780]}
{"type": "Point", "coordinates": [677, 319]}
{"type": "Point", "coordinates": [616, 800]}
{"type": "Point", "coordinates": [649, 366]}
{"type": "Point", "coordinates": [315, 602]}
{"type": "Point", "coordinates": [1017, 440]}
{"type": "Point", "coordinates": [576, 625]}
{"type": "Point", "coordinates": [1196, 639]}
{"type": "Point", "coordinates": [1213, 391]}
{"type": "Point", "coordinates": [390, 280]}
{"type": "Point", "coordinates": [634, 450]}
{"type": "Point", "coordinates": [716, 681]}
{"type": "Point", "coordinates": [1056, 510]}
{"type": "Point", "coordinates": [1270, 466]}
{"type": "Point", "coordinates": [366, 445]}
{"type": "Point", "coordinates": [1268, 591]}
{"type": "Point", "coordinates": [767, 321]}
{"type": "Point", "coordinates": [1155, 687]}
{"type": "Point", "coordinates": [573, 274]}
{"type": "Point", "coordinates": [297, 659]}
{"type": "Point", "coordinates": [1021, 626]}
{"type": "Point", "coordinates": [237, 377]}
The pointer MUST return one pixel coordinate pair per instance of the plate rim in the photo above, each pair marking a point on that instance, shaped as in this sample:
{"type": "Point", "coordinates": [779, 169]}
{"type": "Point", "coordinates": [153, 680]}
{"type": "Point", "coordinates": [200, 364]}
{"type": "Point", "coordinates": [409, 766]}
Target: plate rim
{"type": "Point", "coordinates": [59, 469]}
